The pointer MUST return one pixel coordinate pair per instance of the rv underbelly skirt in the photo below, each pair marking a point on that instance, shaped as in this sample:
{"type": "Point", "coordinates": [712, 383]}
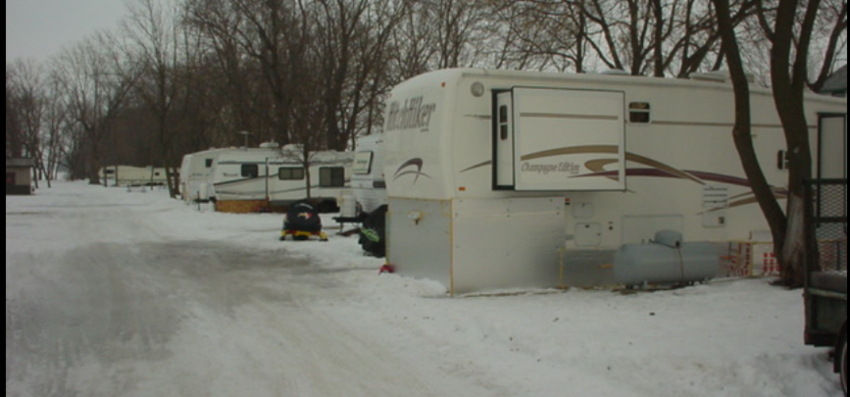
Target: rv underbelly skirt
{"type": "Point", "coordinates": [241, 206]}
{"type": "Point", "coordinates": [588, 268]}
{"type": "Point", "coordinates": [475, 245]}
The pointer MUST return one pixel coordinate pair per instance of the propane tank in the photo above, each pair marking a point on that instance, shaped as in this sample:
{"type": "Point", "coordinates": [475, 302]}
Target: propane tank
{"type": "Point", "coordinates": [666, 260]}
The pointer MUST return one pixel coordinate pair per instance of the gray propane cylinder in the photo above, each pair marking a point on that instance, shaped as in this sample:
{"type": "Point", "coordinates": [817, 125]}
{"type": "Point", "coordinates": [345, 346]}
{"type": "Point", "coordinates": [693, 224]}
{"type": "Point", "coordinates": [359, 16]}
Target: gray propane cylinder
{"type": "Point", "coordinates": [666, 260]}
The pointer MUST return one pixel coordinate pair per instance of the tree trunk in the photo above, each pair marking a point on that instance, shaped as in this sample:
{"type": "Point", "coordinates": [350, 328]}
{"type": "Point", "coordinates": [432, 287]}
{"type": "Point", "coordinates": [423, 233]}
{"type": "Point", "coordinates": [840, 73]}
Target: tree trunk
{"type": "Point", "coordinates": [789, 78]}
{"type": "Point", "coordinates": [764, 193]}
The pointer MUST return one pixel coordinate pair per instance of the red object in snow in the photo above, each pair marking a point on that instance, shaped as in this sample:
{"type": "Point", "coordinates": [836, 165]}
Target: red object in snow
{"type": "Point", "coordinates": [387, 269]}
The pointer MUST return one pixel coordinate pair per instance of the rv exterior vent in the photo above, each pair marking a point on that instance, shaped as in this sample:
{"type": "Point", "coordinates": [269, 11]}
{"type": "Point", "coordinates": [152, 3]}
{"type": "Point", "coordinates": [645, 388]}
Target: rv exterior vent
{"type": "Point", "coordinates": [718, 77]}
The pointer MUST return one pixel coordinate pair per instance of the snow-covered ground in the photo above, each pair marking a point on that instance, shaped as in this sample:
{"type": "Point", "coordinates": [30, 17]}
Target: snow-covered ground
{"type": "Point", "coordinates": [183, 302]}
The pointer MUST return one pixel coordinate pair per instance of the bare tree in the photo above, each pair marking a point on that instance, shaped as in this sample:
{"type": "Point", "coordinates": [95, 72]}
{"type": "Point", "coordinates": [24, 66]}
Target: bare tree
{"type": "Point", "coordinates": [642, 37]}
{"type": "Point", "coordinates": [352, 52]}
{"type": "Point", "coordinates": [457, 31]}
{"type": "Point", "coordinates": [789, 26]}
{"type": "Point", "coordinates": [156, 45]}
{"type": "Point", "coordinates": [742, 131]}
{"type": "Point", "coordinates": [242, 99]}
{"type": "Point", "coordinates": [831, 28]}
{"type": "Point", "coordinates": [54, 139]}
{"type": "Point", "coordinates": [14, 130]}
{"type": "Point", "coordinates": [539, 34]}
{"type": "Point", "coordinates": [789, 74]}
{"type": "Point", "coordinates": [30, 103]}
{"type": "Point", "coordinates": [94, 93]}
{"type": "Point", "coordinates": [412, 44]}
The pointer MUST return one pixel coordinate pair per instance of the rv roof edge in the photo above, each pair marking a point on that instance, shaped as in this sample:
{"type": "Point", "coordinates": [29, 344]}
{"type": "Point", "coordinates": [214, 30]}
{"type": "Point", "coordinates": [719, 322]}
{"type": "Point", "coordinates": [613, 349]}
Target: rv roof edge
{"type": "Point", "coordinates": [718, 77]}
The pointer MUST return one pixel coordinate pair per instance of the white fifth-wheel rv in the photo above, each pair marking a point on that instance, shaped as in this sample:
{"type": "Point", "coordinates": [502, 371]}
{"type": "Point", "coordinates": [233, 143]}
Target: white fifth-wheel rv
{"type": "Point", "coordinates": [502, 180]}
{"type": "Point", "coordinates": [266, 176]}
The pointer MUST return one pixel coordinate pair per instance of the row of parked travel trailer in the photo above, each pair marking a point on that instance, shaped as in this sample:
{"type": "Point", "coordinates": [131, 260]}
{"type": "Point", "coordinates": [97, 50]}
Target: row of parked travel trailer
{"type": "Point", "coordinates": [252, 179]}
{"type": "Point", "coordinates": [503, 180]}
{"type": "Point", "coordinates": [125, 175]}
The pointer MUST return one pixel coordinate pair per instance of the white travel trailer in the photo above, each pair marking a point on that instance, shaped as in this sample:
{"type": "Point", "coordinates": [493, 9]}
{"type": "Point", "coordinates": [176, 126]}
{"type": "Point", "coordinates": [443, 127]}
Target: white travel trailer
{"type": "Point", "coordinates": [493, 175]}
{"type": "Point", "coordinates": [367, 180]}
{"type": "Point", "coordinates": [126, 175]}
{"type": "Point", "coordinates": [196, 175]}
{"type": "Point", "coordinates": [248, 179]}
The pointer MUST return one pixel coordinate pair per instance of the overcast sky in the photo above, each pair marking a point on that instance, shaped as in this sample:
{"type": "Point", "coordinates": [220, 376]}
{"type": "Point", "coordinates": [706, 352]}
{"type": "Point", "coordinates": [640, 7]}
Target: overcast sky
{"type": "Point", "coordinates": [39, 29]}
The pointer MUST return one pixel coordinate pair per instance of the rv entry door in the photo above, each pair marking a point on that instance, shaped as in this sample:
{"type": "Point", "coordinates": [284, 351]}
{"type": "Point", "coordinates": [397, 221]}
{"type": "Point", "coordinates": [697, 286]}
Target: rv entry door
{"type": "Point", "coordinates": [503, 142]}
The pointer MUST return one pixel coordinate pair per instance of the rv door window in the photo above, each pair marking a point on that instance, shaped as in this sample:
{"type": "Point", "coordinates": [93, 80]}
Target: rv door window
{"type": "Point", "coordinates": [504, 132]}
{"type": "Point", "coordinates": [250, 170]}
{"type": "Point", "coordinates": [291, 174]}
{"type": "Point", "coordinates": [209, 163]}
{"type": "Point", "coordinates": [332, 177]}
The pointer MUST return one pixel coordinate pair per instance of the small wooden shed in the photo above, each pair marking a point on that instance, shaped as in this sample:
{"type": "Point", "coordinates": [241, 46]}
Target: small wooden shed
{"type": "Point", "coordinates": [19, 176]}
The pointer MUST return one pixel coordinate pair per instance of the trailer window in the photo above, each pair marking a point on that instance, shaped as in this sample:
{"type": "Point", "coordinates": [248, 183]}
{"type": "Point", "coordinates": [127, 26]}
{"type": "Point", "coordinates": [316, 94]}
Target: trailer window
{"type": "Point", "coordinates": [250, 170]}
{"type": "Point", "coordinates": [332, 177]}
{"type": "Point", "coordinates": [503, 114]}
{"type": "Point", "coordinates": [209, 163]}
{"type": "Point", "coordinates": [290, 174]}
{"type": "Point", "coordinates": [639, 112]}
{"type": "Point", "coordinates": [363, 163]}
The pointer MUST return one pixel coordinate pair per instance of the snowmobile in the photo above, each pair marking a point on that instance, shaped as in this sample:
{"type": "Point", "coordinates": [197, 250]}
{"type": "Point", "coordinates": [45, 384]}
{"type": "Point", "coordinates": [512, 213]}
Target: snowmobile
{"type": "Point", "coordinates": [302, 223]}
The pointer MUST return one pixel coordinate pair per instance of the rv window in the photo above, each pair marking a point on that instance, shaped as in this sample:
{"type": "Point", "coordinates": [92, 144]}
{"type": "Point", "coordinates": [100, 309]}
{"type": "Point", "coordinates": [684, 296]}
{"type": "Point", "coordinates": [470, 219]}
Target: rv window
{"type": "Point", "coordinates": [250, 170]}
{"type": "Point", "coordinates": [503, 114]}
{"type": "Point", "coordinates": [291, 174]}
{"type": "Point", "coordinates": [332, 177]}
{"type": "Point", "coordinates": [639, 112]}
{"type": "Point", "coordinates": [363, 163]}
{"type": "Point", "coordinates": [209, 163]}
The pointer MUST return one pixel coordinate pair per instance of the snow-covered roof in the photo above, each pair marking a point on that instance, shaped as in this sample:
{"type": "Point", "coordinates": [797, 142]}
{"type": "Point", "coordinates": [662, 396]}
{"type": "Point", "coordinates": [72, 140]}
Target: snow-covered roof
{"type": "Point", "coordinates": [19, 163]}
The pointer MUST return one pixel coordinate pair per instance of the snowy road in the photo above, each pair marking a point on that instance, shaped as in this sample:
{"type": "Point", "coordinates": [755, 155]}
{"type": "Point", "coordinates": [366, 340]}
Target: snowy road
{"type": "Point", "coordinates": [126, 311]}
{"type": "Point", "coordinates": [114, 293]}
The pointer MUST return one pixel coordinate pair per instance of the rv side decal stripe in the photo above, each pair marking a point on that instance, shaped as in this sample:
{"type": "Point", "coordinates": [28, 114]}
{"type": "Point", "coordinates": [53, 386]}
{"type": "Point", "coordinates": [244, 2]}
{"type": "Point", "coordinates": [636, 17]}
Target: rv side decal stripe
{"type": "Point", "coordinates": [571, 150]}
{"type": "Point", "coordinates": [570, 116]}
{"type": "Point", "coordinates": [706, 124]}
{"type": "Point", "coordinates": [484, 164]}
{"type": "Point", "coordinates": [236, 181]}
{"type": "Point", "coordinates": [602, 149]}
